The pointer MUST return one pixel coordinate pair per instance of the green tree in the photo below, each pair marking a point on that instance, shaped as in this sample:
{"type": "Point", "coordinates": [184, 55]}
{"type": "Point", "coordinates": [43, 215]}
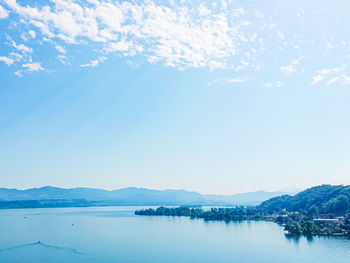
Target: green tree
{"type": "Point", "coordinates": [293, 228]}
{"type": "Point", "coordinates": [309, 228]}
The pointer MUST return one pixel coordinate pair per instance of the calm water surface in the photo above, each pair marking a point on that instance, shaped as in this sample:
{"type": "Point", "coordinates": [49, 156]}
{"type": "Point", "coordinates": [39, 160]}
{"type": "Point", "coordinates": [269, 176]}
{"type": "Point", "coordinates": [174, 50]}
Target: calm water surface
{"type": "Point", "coordinates": [114, 234]}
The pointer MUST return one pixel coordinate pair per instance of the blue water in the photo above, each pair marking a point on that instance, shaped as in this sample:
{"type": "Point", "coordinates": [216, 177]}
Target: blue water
{"type": "Point", "coordinates": [114, 234]}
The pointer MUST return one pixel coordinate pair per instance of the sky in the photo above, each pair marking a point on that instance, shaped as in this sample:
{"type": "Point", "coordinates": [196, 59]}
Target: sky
{"type": "Point", "coordinates": [218, 97]}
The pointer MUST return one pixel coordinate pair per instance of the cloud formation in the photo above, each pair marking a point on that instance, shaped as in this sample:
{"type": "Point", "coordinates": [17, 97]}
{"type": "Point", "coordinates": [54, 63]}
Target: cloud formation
{"type": "Point", "coordinates": [3, 13]}
{"type": "Point", "coordinates": [7, 61]}
{"type": "Point", "coordinates": [177, 35]}
{"type": "Point", "coordinates": [94, 63]}
{"type": "Point", "coordinates": [33, 66]}
{"type": "Point", "coordinates": [329, 75]}
{"type": "Point", "coordinates": [217, 35]}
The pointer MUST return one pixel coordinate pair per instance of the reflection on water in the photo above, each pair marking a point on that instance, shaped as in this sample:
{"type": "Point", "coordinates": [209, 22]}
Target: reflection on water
{"type": "Point", "coordinates": [115, 234]}
{"type": "Point", "coordinates": [296, 238]}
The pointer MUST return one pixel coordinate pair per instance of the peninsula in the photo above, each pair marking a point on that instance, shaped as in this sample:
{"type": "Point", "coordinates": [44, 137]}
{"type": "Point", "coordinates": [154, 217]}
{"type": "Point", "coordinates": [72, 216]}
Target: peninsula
{"type": "Point", "coordinates": [320, 210]}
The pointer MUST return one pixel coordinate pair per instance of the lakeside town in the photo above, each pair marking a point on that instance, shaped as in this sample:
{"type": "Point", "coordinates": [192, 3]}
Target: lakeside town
{"type": "Point", "coordinates": [294, 223]}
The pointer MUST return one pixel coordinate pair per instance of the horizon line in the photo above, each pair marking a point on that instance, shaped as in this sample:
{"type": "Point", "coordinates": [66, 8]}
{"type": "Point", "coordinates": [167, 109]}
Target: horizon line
{"type": "Point", "coordinates": [297, 189]}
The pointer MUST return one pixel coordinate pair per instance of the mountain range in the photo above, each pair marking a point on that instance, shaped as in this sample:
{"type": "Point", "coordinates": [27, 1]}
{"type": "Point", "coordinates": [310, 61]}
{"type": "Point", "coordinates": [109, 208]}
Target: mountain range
{"type": "Point", "coordinates": [135, 196]}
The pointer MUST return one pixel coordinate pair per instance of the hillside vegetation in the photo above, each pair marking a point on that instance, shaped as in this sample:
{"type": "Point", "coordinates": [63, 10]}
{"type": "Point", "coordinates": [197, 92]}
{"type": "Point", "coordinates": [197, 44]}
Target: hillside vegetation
{"type": "Point", "coordinates": [313, 201]}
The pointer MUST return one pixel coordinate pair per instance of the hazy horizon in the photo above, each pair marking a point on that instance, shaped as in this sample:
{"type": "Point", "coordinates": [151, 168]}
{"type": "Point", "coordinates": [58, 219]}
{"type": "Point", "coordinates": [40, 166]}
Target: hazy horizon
{"type": "Point", "coordinates": [287, 190]}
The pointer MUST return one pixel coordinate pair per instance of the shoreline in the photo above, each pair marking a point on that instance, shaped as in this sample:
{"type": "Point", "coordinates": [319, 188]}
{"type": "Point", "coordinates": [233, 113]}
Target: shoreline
{"type": "Point", "coordinates": [294, 223]}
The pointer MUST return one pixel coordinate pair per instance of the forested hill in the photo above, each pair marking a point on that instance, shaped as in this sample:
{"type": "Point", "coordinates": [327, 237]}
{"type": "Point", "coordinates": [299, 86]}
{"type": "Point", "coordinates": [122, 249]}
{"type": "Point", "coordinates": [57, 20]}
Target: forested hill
{"type": "Point", "coordinates": [316, 200]}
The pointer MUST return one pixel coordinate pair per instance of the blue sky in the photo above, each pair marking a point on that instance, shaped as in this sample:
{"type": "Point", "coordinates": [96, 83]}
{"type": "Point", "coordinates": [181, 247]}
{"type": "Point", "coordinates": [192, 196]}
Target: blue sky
{"type": "Point", "coordinates": [213, 96]}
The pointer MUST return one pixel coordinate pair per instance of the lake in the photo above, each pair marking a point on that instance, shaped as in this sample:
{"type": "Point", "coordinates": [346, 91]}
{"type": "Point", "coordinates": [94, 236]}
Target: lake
{"type": "Point", "coordinates": [115, 234]}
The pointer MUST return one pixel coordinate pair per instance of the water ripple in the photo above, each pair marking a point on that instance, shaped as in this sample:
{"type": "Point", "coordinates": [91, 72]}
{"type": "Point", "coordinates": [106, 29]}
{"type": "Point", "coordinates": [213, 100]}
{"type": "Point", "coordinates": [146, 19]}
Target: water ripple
{"type": "Point", "coordinates": [41, 244]}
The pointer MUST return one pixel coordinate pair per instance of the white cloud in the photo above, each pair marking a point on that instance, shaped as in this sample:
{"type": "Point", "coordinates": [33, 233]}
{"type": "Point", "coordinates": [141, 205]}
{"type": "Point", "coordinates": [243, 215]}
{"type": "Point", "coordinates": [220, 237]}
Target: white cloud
{"type": "Point", "coordinates": [24, 36]}
{"type": "Point", "coordinates": [212, 65]}
{"type": "Point", "coordinates": [7, 61]}
{"type": "Point", "coordinates": [21, 47]}
{"type": "Point", "coordinates": [232, 80]}
{"type": "Point", "coordinates": [268, 84]}
{"type": "Point", "coordinates": [60, 49]}
{"type": "Point", "coordinates": [346, 79]}
{"type": "Point", "coordinates": [17, 56]}
{"type": "Point", "coordinates": [27, 35]}
{"type": "Point", "coordinates": [328, 75]}
{"type": "Point", "coordinates": [276, 84]}
{"type": "Point", "coordinates": [63, 59]}
{"type": "Point", "coordinates": [118, 46]}
{"type": "Point", "coordinates": [24, 48]}
{"type": "Point", "coordinates": [330, 46]}
{"type": "Point", "coordinates": [295, 62]}
{"type": "Point", "coordinates": [317, 79]}
{"type": "Point", "coordinates": [32, 33]}
{"type": "Point", "coordinates": [237, 80]}
{"type": "Point", "coordinates": [203, 10]}
{"type": "Point", "coordinates": [133, 64]}
{"type": "Point", "coordinates": [94, 63]}
{"type": "Point", "coordinates": [329, 70]}
{"type": "Point", "coordinates": [33, 66]}
{"type": "Point", "coordinates": [18, 73]}
{"type": "Point", "coordinates": [102, 58]}
{"type": "Point", "coordinates": [280, 35]}
{"type": "Point", "coordinates": [332, 80]}
{"type": "Point", "coordinates": [289, 69]}
{"type": "Point", "coordinates": [178, 36]}
{"type": "Point", "coordinates": [3, 13]}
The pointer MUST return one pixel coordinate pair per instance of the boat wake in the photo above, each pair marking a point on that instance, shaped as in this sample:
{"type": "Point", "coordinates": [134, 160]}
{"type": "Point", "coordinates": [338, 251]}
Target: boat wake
{"type": "Point", "coordinates": [41, 244]}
